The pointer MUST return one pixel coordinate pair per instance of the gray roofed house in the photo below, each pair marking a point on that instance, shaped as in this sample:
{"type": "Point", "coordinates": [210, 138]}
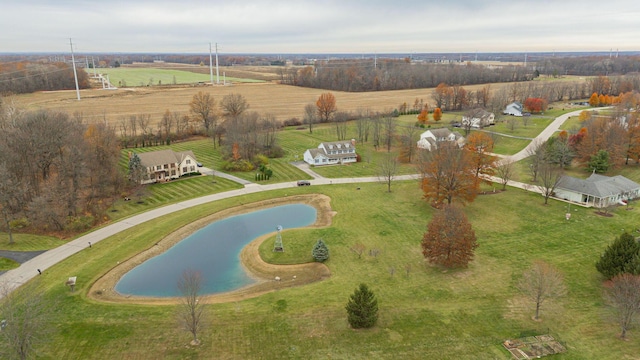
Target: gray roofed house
{"type": "Point", "coordinates": [164, 165]}
{"type": "Point", "coordinates": [597, 190]}
{"type": "Point", "coordinates": [329, 153]}
{"type": "Point", "coordinates": [514, 109]}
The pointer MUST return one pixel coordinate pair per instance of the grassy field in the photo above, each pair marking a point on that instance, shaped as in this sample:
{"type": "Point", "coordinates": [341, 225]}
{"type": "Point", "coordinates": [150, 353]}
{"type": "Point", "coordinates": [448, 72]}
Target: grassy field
{"type": "Point", "coordinates": [127, 77]}
{"type": "Point", "coordinates": [425, 312]}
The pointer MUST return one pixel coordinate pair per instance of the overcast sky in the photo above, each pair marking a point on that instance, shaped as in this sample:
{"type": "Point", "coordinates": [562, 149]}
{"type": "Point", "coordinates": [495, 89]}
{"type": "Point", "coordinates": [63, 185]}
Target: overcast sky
{"type": "Point", "coordinates": [319, 26]}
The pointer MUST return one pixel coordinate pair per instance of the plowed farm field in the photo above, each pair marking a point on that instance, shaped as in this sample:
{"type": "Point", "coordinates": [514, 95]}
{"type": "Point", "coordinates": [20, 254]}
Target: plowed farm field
{"type": "Point", "coordinates": [282, 101]}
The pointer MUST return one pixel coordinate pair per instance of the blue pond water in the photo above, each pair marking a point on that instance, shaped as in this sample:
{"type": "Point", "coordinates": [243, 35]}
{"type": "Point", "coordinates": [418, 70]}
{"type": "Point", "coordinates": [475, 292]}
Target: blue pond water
{"type": "Point", "coordinates": [214, 251]}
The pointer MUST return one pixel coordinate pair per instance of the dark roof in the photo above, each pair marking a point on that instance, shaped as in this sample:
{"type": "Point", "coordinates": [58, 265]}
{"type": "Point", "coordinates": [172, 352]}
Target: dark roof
{"type": "Point", "coordinates": [598, 185]}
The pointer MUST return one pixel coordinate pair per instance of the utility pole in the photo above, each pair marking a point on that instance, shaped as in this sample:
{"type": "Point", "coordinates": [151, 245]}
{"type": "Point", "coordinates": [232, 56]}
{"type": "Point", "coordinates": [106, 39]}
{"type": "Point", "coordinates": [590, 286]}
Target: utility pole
{"type": "Point", "coordinates": [217, 69]}
{"type": "Point", "coordinates": [94, 67]}
{"type": "Point", "coordinates": [210, 64]}
{"type": "Point", "coordinates": [75, 73]}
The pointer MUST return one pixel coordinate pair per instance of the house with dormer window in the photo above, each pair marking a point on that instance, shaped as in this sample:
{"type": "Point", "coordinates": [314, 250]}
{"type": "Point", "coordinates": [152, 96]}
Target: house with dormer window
{"type": "Point", "coordinates": [331, 153]}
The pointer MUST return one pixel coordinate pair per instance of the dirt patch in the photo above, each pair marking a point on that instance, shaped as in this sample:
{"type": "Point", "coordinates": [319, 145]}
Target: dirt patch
{"type": "Point", "coordinates": [264, 274]}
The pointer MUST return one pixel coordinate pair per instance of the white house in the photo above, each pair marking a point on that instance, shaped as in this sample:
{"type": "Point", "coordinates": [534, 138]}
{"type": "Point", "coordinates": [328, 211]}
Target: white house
{"type": "Point", "coordinates": [330, 153]}
{"type": "Point", "coordinates": [597, 190]}
{"type": "Point", "coordinates": [514, 109]}
{"type": "Point", "coordinates": [430, 138]}
{"type": "Point", "coordinates": [478, 119]}
{"type": "Point", "coordinates": [164, 165]}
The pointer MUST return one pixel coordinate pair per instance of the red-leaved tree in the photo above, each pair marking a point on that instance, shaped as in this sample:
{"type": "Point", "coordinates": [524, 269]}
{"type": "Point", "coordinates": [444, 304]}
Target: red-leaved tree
{"type": "Point", "coordinates": [450, 240]}
{"type": "Point", "coordinates": [535, 105]}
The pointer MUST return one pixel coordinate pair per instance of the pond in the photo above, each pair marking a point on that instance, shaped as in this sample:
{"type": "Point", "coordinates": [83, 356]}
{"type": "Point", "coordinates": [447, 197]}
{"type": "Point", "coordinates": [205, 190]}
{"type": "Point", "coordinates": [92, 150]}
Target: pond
{"type": "Point", "coordinates": [213, 250]}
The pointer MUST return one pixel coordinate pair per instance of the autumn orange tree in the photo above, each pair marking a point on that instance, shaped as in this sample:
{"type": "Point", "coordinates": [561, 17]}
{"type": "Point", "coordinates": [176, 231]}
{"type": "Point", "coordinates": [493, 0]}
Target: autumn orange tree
{"type": "Point", "coordinates": [437, 114]}
{"type": "Point", "coordinates": [448, 174]}
{"type": "Point", "coordinates": [603, 134]}
{"type": "Point", "coordinates": [326, 105]}
{"type": "Point", "coordinates": [450, 240]}
{"type": "Point", "coordinates": [594, 100]}
{"type": "Point", "coordinates": [423, 117]}
{"type": "Point", "coordinates": [480, 147]}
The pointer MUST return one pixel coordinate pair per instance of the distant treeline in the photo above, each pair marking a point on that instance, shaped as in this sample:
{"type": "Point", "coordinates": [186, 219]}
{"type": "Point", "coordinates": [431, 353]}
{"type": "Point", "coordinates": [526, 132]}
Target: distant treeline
{"type": "Point", "coordinates": [589, 66]}
{"type": "Point", "coordinates": [370, 75]}
{"type": "Point", "coordinates": [26, 77]}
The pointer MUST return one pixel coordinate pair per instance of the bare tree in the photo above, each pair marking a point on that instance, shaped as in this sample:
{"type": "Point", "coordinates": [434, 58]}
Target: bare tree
{"type": "Point", "coordinates": [536, 154]}
{"type": "Point", "coordinates": [387, 169]}
{"type": "Point", "coordinates": [233, 105]}
{"type": "Point", "coordinates": [167, 123]}
{"type": "Point", "coordinates": [389, 131]}
{"type": "Point", "coordinates": [340, 119]}
{"type": "Point", "coordinates": [203, 106]}
{"type": "Point", "coordinates": [512, 123]}
{"type": "Point", "coordinates": [25, 322]}
{"type": "Point", "coordinates": [408, 141]}
{"type": "Point", "coordinates": [549, 178]}
{"type": "Point", "coordinates": [191, 310]}
{"type": "Point", "coordinates": [363, 125]}
{"type": "Point", "coordinates": [310, 115]}
{"type": "Point", "coordinates": [541, 282]}
{"type": "Point", "coordinates": [505, 171]}
{"type": "Point", "coordinates": [624, 296]}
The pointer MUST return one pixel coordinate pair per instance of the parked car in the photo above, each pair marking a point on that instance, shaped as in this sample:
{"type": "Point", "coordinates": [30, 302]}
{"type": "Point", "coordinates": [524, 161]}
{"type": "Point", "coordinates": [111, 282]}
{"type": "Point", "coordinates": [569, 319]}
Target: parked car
{"type": "Point", "coordinates": [199, 164]}
{"type": "Point", "coordinates": [304, 182]}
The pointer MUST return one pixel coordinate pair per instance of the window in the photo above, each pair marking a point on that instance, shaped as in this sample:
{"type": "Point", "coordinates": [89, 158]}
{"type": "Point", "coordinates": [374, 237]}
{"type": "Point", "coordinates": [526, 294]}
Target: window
{"type": "Point", "coordinates": [184, 170]}
{"type": "Point", "coordinates": [316, 160]}
{"type": "Point", "coordinates": [192, 168]}
{"type": "Point", "coordinates": [188, 161]}
{"type": "Point", "coordinates": [159, 167]}
{"type": "Point", "coordinates": [173, 165]}
{"type": "Point", "coordinates": [173, 172]}
{"type": "Point", "coordinates": [166, 166]}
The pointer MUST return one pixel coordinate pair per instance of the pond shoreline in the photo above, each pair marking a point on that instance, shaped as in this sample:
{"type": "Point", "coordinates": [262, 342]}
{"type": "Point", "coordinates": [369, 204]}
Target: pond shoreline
{"type": "Point", "coordinates": [265, 274]}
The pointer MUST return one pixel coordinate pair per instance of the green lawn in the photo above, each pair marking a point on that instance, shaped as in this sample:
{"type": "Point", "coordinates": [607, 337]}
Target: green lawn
{"type": "Point", "coordinates": [7, 264]}
{"type": "Point", "coordinates": [425, 313]}
{"type": "Point", "coordinates": [29, 242]}
{"type": "Point", "coordinates": [127, 77]}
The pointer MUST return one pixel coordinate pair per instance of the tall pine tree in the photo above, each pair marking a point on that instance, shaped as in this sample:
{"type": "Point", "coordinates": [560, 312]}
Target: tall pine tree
{"type": "Point", "coordinates": [362, 308]}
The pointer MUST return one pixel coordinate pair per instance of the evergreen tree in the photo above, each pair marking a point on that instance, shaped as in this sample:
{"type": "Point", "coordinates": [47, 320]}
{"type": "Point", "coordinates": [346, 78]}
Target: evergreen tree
{"type": "Point", "coordinates": [320, 251]}
{"type": "Point", "coordinates": [619, 257]}
{"type": "Point", "coordinates": [136, 171]}
{"type": "Point", "coordinates": [362, 308]}
{"type": "Point", "coordinates": [600, 162]}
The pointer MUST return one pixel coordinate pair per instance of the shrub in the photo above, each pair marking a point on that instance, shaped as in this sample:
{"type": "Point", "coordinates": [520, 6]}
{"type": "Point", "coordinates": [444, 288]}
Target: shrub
{"type": "Point", "coordinates": [80, 223]}
{"type": "Point", "coordinates": [362, 308]}
{"type": "Point", "coordinates": [320, 251]}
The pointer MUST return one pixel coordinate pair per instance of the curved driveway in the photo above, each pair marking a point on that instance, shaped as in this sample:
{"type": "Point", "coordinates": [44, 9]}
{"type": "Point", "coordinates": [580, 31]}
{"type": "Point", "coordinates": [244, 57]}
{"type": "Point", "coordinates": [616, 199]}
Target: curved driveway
{"type": "Point", "coordinates": [12, 279]}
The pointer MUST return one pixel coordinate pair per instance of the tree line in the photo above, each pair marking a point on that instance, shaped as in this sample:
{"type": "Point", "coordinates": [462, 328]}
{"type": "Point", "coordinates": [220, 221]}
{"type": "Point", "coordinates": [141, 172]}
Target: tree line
{"type": "Point", "coordinates": [390, 74]}
{"type": "Point", "coordinates": [26, 77]}
{"type": "Point", "coordinates": [58, 172]}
